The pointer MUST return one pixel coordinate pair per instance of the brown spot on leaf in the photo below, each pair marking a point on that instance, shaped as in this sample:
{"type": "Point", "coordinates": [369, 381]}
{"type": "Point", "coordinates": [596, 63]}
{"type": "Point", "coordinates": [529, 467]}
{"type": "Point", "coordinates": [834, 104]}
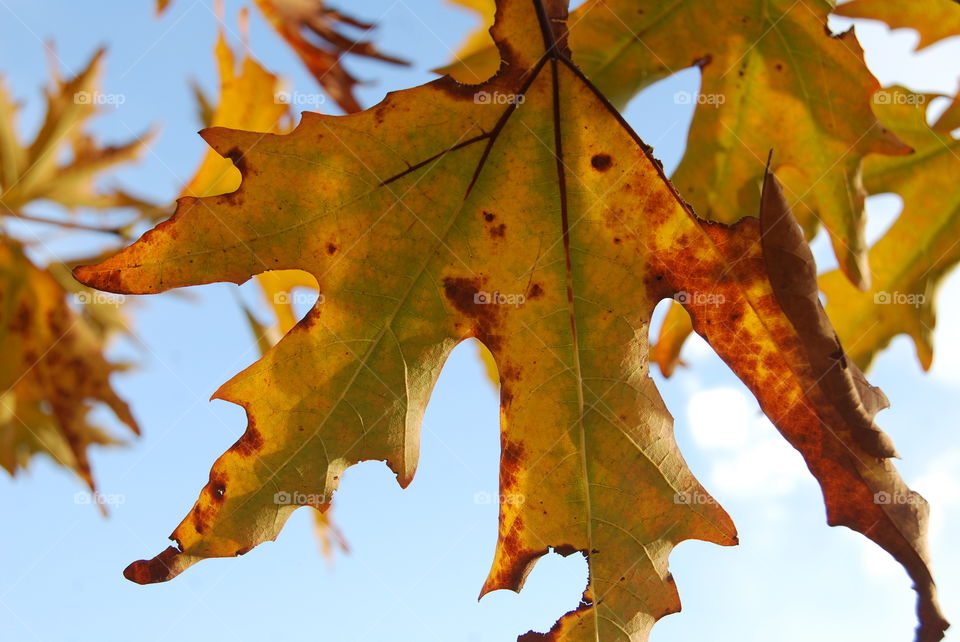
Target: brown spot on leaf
{"type": "Point", "coordinates": [250, 442]}
{"type": "Point", "coordinates": [199, 518]}
{"type": "Point", "coordinates": [506, 396]}
{"type": "Point", "coordinates": [601, 162]}
{"type": "Point", "coordinates": [332, 248]}
{"type": "Point", "coordinates": [236, 155]}
{"type": "Point", "coordinates": [467, 295]}
{"type": "Point", "coordinates": [512, 460]}
{"type": "Point", "coordinates": [511, 372]}
{"type": "Point", "coordinates": [565, 549]}
{"type": "Point", "coordinates": [217, 486]}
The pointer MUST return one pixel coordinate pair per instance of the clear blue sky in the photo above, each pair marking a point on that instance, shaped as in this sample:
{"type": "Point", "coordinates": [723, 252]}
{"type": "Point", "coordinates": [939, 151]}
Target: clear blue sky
{"type": "Point", "coordinates": [419, 556]}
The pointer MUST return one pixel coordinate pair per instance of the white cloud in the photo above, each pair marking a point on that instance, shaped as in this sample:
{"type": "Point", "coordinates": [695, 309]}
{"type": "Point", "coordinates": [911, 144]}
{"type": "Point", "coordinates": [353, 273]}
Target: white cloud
{"type": "Point", "coordinates": [768, 467]}
{"type": "Point", "coordinates": [754, 459]}
{"type": "Point", "coordinates": [877, 562]}
{"type": "Point", "coordinates": [719, 417]}
{"type": "Point", "coordinates": [946, 342]}
{"type": "Point", "coordinates": [940, 486]}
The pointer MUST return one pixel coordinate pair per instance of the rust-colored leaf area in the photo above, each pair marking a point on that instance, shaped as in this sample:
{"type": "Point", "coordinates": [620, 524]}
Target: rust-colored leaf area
{"type": "Point", "coordinates": [53, 332]}
{"type": "Point", "coordinates": [526, 213]}
{"type": "Point", "coordinates": [52, 371]}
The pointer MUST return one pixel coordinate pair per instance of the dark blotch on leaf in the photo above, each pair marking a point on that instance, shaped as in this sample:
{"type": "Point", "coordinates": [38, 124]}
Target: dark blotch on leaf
{"type": "Point", "coordinates": [601, 162]}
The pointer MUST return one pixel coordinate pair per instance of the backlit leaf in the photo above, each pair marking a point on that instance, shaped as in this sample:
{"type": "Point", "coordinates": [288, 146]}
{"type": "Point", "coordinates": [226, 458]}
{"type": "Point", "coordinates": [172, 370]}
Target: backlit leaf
{"type": "Point", "coordinates": [933, 19]}
{"type": "Point", "coordinates": [911, 259]}
{"type": "Point", "coordinates": [52, 371]}
{"type": "Point", "coordinates": [524, 213]}
{"type": "Point", "coordinates": [770, 74]}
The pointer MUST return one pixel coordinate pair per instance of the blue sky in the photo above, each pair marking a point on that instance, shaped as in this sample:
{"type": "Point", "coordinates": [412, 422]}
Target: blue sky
{"type": "Point", "coordinates": [418, 556]}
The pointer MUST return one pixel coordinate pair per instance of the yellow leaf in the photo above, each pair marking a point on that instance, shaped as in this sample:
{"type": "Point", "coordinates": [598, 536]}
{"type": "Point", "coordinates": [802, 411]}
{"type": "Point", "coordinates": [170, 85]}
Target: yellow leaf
{"type": "Point", "coordinates": [770, 75]}
{"type": "Point", "coordinates": [911, 259]}
{"type": "Point", "coordinates": [524, 213]}
{"type": "Point", "coordinates": [52, 370]}
{"type": "Point", "coordinates": [674, 331]}
{"type": "Point", "coordinates": [933, 19]}
{"type": "Point", "coordinates": [39, 171]}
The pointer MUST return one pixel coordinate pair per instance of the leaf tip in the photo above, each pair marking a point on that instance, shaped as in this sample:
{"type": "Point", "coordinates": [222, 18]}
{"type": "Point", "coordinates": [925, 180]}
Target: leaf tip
{"type": "Point", "coordinates": [165, 566]}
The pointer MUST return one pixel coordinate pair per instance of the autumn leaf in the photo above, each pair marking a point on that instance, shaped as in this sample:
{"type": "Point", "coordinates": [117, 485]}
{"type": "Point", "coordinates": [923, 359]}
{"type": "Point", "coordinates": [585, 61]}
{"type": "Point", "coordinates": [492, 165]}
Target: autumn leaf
{"type": "Point", "coordinates": [52, 371]}
{"type": "Point", "coordinates": [302, 24]}
{"type": "Point", "coordinates": [950, 119]}
{"type": "Point", "coordinates": [914, 255]}
{"type": "Point", "coordinates": [908, 262]}
{"type": "Point", "coordinates": [933, 19]}
{"type": "Point", "coordinates": [674, 330]}
{"type": "Point", "coordinates": [53, 330]}
{"type": "Point", "coordinates": [318, 35]}
{"type": "Point", "coordinates": [38, 170]}
{"type": "Point", "coordinates": [527, 214]}
{"type": "Point", "coordinates": [757, 92]}
{"type": "Point", "coordinates": [249, 99]}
